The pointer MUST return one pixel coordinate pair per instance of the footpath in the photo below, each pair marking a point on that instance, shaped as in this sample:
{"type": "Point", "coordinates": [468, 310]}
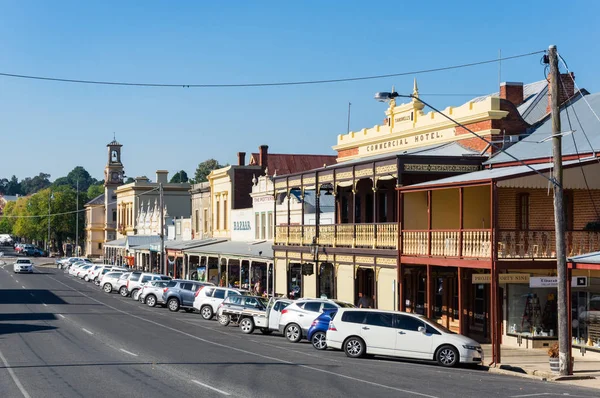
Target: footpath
{"type": "Point", "coordinates": [533, 363]}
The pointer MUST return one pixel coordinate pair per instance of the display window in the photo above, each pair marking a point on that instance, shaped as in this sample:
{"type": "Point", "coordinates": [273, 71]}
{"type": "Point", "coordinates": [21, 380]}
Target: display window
{"type": "Point", "coordinates": [585, 314]}
{"type": "Point", "coordinates": [532, 311]}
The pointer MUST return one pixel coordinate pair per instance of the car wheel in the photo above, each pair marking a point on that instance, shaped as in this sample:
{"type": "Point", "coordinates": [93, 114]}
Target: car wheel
{"type": "Point", "coordinates": [447, 356]}
{"type": "Point", "coordinates": [173, 304]}
{"type": "Point", "coordinates": [247, 325]}
{"type": "Point", "coordinates": [86, 278]}
{"type": "Point", "coordinates": [107, 288]}
{"type": "Point", "coordinates": [123, 291]}
{"type": "Point", "coordinates": [224, 320]}
{"type": "Point", "coordinates": [354, 347]}
{"type": "Point", "coordinates": [293, 333]}
{"type": "Point", "coordinates": [206, 312]}
{"type": "Point", "coordinates": [266, 331]}
{"type": "Point", "coordinates": [319, 341]}
{"type": "Point", "coordinates": [134, 293]}
{"type": "Point", "coordinates": [150, 300]}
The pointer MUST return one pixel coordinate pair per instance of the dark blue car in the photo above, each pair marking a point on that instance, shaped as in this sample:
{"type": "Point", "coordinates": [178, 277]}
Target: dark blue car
{"type": "Point", "coordinates": [318, 329]}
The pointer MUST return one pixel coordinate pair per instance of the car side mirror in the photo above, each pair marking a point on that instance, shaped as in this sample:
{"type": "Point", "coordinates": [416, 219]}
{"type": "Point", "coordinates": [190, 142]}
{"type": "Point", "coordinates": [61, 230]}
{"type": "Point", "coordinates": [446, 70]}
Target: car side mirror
{"type": "Point", "coordinates": [421, 329]}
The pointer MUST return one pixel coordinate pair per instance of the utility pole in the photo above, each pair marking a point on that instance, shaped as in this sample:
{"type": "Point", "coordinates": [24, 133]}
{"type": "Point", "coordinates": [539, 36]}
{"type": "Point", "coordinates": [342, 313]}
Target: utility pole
{"type": "Point", "coordinates": [163, 265]}
{"type": "Point", "coordinates": [348, 127]}
{"type": "Point", "coordinates": [50, 197]}
{"type": "Point", "coordinates": [77, 223]}
{"type": "Point", "coordinates": [564, 345]}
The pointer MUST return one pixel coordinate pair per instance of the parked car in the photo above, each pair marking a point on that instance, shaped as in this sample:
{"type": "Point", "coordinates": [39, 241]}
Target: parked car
{"type": "Point", "coordinates": [75, 267]}
{"type": "Point", "coordinates": [207, 299]}
{"type": "Point", "coordinates": [298, 316]}
{"type": "Point", "coordinates": [233, 306]}
{"type": "Point", "coordinates": [151, 292]}
{"type": "Point", "coordinates": [105, 271]}
{"type": "Point", "coordinates": [32, 251]}
{"type": "Point", "coordinates": [23, 265]}
{"type": "Point", "coordinates": [180, 294]}
{"type": "Point", "coordinates": [110, 280]}
{"type": "Point", "coordinates": [399, 334]}
{"type": "Point", "coordinates": [83, 271]}
{"type": "Point", "coordinates": [135, 281]}
{"type": "Point", "coordinates": [268, 321]}
{"type": "Point", "coordinates": [317, 333]}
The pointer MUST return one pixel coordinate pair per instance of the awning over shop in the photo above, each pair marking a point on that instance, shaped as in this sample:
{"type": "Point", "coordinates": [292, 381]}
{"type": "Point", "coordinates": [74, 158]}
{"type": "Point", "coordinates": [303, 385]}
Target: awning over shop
{"type": "Point", "coordinates": [519, 177]}
{"type": "Point", "coordinates": [180, 245]}
{"type": "Point", "coordinates": [585, 261]}
{"type": "Point", "coordinates": [257, 251]}
{"type": "Point", "coordinates": [119, 243]}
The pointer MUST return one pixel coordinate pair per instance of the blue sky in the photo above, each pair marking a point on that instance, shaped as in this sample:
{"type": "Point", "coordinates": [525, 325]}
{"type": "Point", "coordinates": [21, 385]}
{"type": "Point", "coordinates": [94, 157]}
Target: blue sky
{"type": "Point", "coordinates": [53, 127]}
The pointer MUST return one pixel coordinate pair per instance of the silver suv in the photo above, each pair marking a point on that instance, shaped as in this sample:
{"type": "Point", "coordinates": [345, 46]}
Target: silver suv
{"type": "Point", "coordinates": [151, 293]}
{"type": "Point", "coordinates": [179, 293]}
{"type": "Point", "coordinates": [135, 281]}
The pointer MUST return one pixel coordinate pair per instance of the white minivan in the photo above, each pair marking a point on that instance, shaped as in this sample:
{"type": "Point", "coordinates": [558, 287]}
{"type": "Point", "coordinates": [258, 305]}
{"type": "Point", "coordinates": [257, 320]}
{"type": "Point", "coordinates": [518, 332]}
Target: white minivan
{"type": "Point", "coordinates": [399, 334]}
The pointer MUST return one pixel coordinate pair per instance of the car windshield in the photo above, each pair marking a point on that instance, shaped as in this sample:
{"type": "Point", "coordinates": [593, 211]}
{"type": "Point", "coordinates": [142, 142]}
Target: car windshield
{"type": "Point", "coordinates": [435, 325]}
{"type": "Point", "coordinates": [23, 262]}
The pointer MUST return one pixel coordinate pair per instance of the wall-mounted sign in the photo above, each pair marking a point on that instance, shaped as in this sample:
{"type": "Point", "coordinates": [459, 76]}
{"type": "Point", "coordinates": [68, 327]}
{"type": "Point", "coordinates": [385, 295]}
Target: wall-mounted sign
{"type": "Point", "coordinates": [307, 269]}
{"type": "Point", "coordinates": [552, 281]}
{"type": "Point", "coordinates": [502, 278]}
{"type": "Point", "coordinates": [242, 226]}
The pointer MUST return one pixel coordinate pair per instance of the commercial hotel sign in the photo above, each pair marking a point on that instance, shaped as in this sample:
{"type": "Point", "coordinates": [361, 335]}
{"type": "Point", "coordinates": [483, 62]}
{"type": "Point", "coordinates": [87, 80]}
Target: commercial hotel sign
{"type": "Point", "coordinates": [413, 141]}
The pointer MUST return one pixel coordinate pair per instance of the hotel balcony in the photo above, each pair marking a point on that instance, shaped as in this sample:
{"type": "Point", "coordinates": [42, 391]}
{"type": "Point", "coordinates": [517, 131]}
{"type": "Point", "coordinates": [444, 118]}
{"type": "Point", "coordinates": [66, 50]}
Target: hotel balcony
{"type": "Point", "coordinates": [368, 236]}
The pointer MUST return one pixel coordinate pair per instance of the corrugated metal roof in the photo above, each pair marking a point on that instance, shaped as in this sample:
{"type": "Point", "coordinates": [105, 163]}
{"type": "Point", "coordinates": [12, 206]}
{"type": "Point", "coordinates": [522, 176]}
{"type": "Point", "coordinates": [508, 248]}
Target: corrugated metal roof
{"type": "Point", "coordinates": [188, 244]}
{"type": "Point", "coordinates": [588, 258]}
{"type": "Point", "coordinates": [282, 164]}
{"type": "Point", "coordinates": [489, 174]}
{"type": "Point", "coordinates": [531, 146]}
{"type": "Point", "coordinates": [241, 249]}
{"type": "Point", "coordinates": [116, 243]}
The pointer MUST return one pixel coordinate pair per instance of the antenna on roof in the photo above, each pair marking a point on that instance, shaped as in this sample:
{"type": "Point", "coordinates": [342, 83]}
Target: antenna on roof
{"type": "Point", "coordinates": [499, 66]}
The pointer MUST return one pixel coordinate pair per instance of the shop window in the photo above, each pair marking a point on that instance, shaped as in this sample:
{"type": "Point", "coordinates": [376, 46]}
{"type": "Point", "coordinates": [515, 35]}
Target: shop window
{"type": "Point", "coordinates": [295, 281]}
{"type": "Point", "coordinates": [421, 296]}
{"type": "Point", "coordinates": [532, 311]}
{"type": "Point", "coordinates": [479, 316]}
{"type": "Point", "coordinates": [257, 226]}
{"type": "Point", "coordinates": [523, 211]}
{"type": "Point", "coordinates": [263, 225]}
{"type": "Point", "coordinates": [439, 298]}
{"type": "Point", "coordinates": [326, 281]}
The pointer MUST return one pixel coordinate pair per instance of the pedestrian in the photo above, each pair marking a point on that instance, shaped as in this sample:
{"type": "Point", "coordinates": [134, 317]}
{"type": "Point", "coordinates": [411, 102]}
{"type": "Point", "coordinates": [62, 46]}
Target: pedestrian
{"type": "Point", "coordinates": [364, 301]}
{"type": "Point", "coordinates": [258, 288]}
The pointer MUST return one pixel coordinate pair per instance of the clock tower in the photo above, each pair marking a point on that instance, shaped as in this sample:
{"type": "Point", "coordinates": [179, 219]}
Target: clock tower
{"type": "Point", "coordinates": [113, 177]}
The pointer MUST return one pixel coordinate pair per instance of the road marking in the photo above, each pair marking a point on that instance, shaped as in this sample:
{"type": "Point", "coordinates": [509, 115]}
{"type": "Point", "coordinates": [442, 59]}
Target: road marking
{"type": "Point", "coordinates": [210, 387]}
{"type": "Point", "coordinates": [127, 352]}
{"type": "Point", "coordinates": [61, 315]}
{"type": "Point", "coordinates": [414, 393]}
{"type": "Point", "coordinates": [14, 376]}
{"type": "Point", "coordinates": [31, 294]}
{"type": "Point", "coordinates": [44, 304]}
{"type": "Point", "coordinates": [87, 331]}
{"type": "Point", "coordinates": [23, 287]}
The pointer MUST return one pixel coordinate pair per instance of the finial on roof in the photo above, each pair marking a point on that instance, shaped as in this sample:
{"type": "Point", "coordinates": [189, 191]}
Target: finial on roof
{"type": "Point", "coordinates": [415, 92]}
{"type": "Point", "coordinates": [253, 179]}
{"type": "Point", "coordinates": [114, 136]}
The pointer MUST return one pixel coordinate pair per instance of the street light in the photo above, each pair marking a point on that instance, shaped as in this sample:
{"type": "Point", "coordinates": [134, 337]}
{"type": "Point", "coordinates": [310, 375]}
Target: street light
{"type": "Point", "coordinates": [50, 197]}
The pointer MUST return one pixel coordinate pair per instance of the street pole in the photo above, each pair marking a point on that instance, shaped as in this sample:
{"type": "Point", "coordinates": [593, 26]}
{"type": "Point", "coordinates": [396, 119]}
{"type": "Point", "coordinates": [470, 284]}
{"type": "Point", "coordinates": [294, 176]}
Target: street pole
{"type": "Point", "coordinates": [348, 128]}
{"type": "Point", "coordinates": [559, 216]}
{"type": "Point", "coordinates": [163, 260]}
{"type": "Point", "coordinates": [48, 241]}
{"type": "Point", "coordinates": [77, 223]}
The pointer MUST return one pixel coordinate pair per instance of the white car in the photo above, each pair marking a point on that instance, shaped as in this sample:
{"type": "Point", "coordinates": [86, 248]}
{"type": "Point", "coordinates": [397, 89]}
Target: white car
{"type": "Point", "coordinates": [113, 280]}
{"type": "Point", "coordinates": [208, 299]}
{"type": "Point", "coordinates": [83, 271]}
{"type": "Point", "coordinates": [297, 317]}
{"type": "Point", "coordinates": [74, 268]}
{"type": "Point", "coordinates": [23, 265]}
{"type": "Point", "coordinates": [399, 334]}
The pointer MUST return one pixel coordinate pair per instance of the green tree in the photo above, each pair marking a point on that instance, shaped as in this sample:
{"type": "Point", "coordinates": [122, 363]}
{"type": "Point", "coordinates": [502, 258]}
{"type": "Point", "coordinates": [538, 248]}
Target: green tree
{"type": "Point", "coordinates": [6, 221]}
{"type": "Point", "coordinates": [78, 174]}
{"type": "Point", "coordinates": [179, 177]}
{"type": "Point", "coordinates": [94, 191]}
{"type": "Point", "coordinates": [204, 169]}
{"type": "Point", "coordinates": [32, 185]}
{"type": "Point", "coordinates": [13, 186]}
{"type": "Point", "coordinates": [129, 180]}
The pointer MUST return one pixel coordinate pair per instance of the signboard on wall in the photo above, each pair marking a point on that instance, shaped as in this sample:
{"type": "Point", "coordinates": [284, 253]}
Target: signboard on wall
{"type": "Point", "coordinates": [552, 281]}
{"type": "Point", "coordinates": [307, 269]}
{"type": "Point", "coordinates": [502, 278]}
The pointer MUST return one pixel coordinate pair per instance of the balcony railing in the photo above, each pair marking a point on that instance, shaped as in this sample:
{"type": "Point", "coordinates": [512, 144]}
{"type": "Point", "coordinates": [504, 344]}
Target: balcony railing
{"type": "Point", "coordinates": [472, 243]}
{"type": "Point", "coordinates": [375, 236]}
{"type": "Point", "coordinates": [542, 244]}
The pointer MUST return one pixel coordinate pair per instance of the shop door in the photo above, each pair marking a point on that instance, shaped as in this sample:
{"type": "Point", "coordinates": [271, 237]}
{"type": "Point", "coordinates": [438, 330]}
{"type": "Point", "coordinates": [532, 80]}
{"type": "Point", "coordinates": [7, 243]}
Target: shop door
{"type": "Point", "coordinates": [365, 284]}
{"type": "Point", "coordinates": [478, 321]}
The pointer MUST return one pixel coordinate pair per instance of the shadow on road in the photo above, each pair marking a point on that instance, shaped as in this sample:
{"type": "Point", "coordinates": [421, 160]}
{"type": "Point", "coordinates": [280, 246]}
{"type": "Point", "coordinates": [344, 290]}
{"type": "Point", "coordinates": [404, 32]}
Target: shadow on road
{"type": "Point", "coordinates": [6, 328]}
{"type": "Point", "coordinates": [29, 296]}
{"type": "Point", "coordinates": [29, 316]}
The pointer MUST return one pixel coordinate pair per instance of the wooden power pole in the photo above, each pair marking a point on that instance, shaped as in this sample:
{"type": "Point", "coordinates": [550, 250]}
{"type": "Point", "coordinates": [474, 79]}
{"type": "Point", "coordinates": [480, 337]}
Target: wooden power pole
{"type": "Point", "coordinates": [564, 345]}
{"type": "Point", "coordinates": [164, 269]}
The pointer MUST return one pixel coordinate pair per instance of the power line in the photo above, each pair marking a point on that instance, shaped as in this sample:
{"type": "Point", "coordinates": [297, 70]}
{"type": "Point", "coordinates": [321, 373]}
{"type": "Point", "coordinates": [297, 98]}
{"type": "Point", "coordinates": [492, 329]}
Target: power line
{"type": "Point", "coordinates": [272, 84]}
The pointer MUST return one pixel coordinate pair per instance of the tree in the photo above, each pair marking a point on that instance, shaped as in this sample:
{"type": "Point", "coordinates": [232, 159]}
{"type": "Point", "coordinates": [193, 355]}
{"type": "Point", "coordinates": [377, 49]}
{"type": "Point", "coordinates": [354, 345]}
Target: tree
{"type": "Point", "coordinates": [94, 191]}
{"type": "Point", "coordinates": [35, 184]}
{"type": "Point", "coordinates": [179, 177]}
{"type": "Point", "coordinates": [13, 186]}
{"type": "Point", "coordinates": [77, 174]}
{"type": "Point", "coordinates": [129, 180]}
{"type": "Point", "coordinates": [204, 170]}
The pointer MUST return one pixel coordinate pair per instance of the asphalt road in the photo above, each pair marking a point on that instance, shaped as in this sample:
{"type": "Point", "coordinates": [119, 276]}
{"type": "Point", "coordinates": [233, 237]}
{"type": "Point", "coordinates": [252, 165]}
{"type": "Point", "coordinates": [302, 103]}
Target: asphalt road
{"type": "Point", "coordinates": [61, 337]}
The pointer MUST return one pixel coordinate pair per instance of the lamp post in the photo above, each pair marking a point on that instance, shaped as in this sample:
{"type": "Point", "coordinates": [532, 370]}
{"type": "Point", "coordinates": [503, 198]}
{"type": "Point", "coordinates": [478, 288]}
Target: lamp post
{"type": "Point", "coordinates": [314, 249]}
{"type": "Point", "coordinates": [50, 197]}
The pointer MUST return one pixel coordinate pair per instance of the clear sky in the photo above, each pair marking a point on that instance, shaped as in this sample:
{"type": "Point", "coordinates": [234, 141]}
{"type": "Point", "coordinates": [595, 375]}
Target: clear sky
{"type": "Point", "coordinates": [53, 127]}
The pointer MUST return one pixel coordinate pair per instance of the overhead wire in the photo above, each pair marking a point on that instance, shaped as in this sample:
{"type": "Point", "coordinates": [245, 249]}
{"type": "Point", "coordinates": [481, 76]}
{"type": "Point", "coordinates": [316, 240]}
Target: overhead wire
{"type": "Point", "coordinates": [266, 84]}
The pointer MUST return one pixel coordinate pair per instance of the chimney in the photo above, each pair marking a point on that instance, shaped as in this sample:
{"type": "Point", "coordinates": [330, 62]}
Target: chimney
{"type": "Point", "coordinates": [566, 86]}
{"type": "Point", "coordinates": [263, 155]}
{"type": "Point", "coordinates": [512, 91]}
{"type": "Point", "coordinates": [241, 158]}
{"type": "Point", "coordinates": [162, 176]}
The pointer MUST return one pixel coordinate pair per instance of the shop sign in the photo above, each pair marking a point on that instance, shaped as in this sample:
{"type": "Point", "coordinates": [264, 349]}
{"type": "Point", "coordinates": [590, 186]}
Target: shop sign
{"type": "Point", "coordinates": [552, 281]}
{"type": "Point", "coordinates": [241, 226]}
{"type": "Point", "coordinates": [307, 269]}
{"type": "Point", "coordinates": [502, 278]}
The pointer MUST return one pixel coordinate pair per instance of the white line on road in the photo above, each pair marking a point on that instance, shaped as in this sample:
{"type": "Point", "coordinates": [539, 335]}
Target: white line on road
{"type": "Point", "coordinates": [127, 352]}
{"type": "Point", "coordinates": [23, 287]}
{"type": "Point", "coordinates": [31, 294]}
{"type": "Point", "coordinates": [61, 315]}
{"type": "Point", "coordinates": [414, 393]}
{"type": "Point", "coordinates": [14, 377]}
{"type": "Point", "coordinates": [211, 388]}
{"type": "Point", "coordinates": [87, 331]}
{"type": "Point", "coordinates": [44, 304]}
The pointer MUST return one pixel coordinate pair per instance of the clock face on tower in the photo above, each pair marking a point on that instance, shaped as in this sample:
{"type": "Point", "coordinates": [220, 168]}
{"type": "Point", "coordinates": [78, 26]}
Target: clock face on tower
{"type": "Point", "coordinates": [115, 176]}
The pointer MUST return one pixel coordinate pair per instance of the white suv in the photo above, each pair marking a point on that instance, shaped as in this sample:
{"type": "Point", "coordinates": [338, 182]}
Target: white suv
{"type": "Point", "coordinates": [297, 317]}
{"type": "Point", "coordinates": [135, 281]}
{"type": "Point", "coordinates": [208, 298]}
{"type": "Point", "coordinates": [399, 334]}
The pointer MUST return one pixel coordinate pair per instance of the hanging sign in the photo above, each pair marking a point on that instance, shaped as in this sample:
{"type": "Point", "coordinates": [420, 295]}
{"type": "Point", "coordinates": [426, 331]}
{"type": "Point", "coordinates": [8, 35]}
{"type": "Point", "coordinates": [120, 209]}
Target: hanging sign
{"type": "Point", "coordinates": [502, 278]}
{"type": "Point", "coordinates": [552, 281]}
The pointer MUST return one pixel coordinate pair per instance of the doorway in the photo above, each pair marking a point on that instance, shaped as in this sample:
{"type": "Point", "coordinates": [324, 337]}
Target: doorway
{"type": "Point", "coordinates": [365, 284]}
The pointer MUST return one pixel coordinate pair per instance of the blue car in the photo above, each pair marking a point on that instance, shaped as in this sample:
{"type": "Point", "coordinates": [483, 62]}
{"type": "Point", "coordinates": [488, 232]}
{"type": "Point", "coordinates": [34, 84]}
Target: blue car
{"type": "Point", "coordinates": [318, 330]}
